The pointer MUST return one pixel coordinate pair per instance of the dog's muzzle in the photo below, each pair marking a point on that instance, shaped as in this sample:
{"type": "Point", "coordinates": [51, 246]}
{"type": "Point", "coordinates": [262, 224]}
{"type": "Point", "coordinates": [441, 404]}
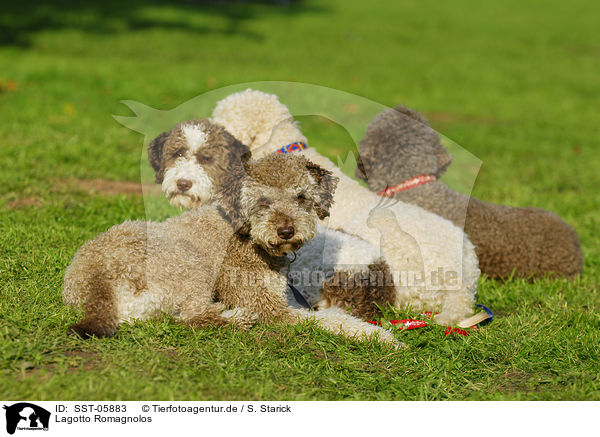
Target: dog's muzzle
{"type": "Point", "coordinates": [281, 247]}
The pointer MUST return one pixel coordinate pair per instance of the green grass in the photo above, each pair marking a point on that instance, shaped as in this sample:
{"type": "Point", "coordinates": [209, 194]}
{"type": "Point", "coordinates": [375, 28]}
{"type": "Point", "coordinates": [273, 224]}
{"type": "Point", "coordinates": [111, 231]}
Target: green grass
{"type": "Point", "coordinates": [514, 83]}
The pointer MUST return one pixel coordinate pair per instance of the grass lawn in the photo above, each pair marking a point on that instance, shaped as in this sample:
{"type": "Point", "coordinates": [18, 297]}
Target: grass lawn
{"type": "Point", "coordinates": [514, 83]}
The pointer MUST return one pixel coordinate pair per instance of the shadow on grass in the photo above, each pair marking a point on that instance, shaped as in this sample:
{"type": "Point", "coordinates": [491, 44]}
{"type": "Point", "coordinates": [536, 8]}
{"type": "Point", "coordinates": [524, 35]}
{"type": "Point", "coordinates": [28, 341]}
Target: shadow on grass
{"type": "Point", "coordinates": [20, 20]}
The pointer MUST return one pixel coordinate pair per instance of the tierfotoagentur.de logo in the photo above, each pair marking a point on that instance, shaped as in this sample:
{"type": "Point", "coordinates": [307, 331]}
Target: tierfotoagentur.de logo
{"type": "Point", "coordinates": [24, 416]}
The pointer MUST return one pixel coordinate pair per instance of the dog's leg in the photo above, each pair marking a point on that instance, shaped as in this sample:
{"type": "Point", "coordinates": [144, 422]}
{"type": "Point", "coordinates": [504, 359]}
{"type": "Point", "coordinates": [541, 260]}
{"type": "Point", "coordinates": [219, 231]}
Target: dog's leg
{"type": "Point", "coordinates": [267, 299]}
{"type": "Point", "coordinates": [261, 297]}
{"type": "Point", "coordinates": [457, 306]}
{"type": "Point", "coordinates": [243, 318]}
{"type": "Point", "coordinates": [100, 313]}
{"type": "Point", "coordinates": [339, 322]}
{"type": "Point", "coordinates": [216, 314]}
{"type": "Point", "coordinates": [209, 315]}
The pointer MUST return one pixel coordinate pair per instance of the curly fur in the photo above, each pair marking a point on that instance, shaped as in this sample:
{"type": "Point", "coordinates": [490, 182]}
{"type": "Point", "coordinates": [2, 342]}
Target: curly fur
{"type": "Point", "coordinates": [362, 294]}
{"type": "Point", "coordinates": [331, 253]}
{"type": "Point", "coordinates": [264, 124]}
{"type": "Point", "coordinates": [175, 157]}
{"type": "Point", "coordinates": [270, 199]}
{"type": "Point", "coordinates": [399, 144]}
{"type": "Point", "coordinates": [137, 270]}
{"type": "Point", "coordinates": [183, 266]}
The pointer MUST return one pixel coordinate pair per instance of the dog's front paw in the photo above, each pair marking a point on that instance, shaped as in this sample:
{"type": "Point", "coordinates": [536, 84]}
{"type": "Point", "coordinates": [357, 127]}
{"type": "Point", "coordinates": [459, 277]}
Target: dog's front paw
{"type": "Point", "coordinates": [446, 318]}
{"type": "Point", "coordinates": [386, 337]}
{"type": "Point", "coordinates": [87, 329]}
{"type": "Point", "coordinates": [243, 318]}
{"type": "Point", "coordinates": [400, 345]}
{"type": "Point", "coordinates": [397, 345]}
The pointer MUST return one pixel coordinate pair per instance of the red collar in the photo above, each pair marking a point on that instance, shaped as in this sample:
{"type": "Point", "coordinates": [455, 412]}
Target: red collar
{"type": "Point", "coordinates": [407, 185]}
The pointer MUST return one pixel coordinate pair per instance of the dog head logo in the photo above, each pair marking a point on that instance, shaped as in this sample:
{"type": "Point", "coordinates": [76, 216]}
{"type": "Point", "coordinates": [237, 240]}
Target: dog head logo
{"type": "Point", "coordinates": [26, 416]}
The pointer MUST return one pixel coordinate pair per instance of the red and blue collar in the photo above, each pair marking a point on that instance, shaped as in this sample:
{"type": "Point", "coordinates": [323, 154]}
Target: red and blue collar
{"type": "Point", "coordinates": [292, 147]}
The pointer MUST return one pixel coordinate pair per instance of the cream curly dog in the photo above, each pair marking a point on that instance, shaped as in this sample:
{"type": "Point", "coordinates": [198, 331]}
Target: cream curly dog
{"type": "Point", "coordinates": [449, 263]}
{"type": "Point", "coordinates": [263, 210]}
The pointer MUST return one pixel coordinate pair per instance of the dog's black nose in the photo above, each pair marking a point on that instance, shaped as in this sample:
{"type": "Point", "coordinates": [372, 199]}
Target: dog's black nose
{"type": "Point", "coordinates": [286, 232]}
{"type": "Point", "coordinates": [184, 184]}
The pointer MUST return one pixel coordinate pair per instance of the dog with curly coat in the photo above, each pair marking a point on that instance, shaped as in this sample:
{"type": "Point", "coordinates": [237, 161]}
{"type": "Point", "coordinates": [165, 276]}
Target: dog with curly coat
{"type": "Point", "coordinates": [263, 123]}
{"type": "Point", "coordinates": [282, 198]}
{"type": "Point", "coordinates": [188, 165]}
{"type": "Point", "coordinates": [217, 264]}
{"type": "Point", "coordinates": [402, 157]}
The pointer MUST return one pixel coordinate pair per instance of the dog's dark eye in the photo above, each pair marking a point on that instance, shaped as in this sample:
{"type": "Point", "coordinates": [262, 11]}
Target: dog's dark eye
{"type": "Point", "coordinates": [204, 159]}
{"type": "Point", "coordinates": [178, 154]}
{"type": "Point", "coordinates": [301, 198]}
{"type": "Point", "coordinates": [264, 202]}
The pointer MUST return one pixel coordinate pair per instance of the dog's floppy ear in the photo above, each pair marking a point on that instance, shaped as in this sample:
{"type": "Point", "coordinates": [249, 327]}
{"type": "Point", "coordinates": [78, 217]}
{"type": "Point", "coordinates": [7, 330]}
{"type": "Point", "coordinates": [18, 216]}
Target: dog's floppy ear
{"type": "Point", "coordinates": [228, 195]}
{"type": "Point", "coordinates": [238, 152]}
{"type": "Point", "coordinates": [362, 164]}
{"type": "Point", "coordinates": [155, 153]}
{"type": "Point", "coordinates": [246, 160]}
{"type": "Point", "coordinates": [325, 183]}
{"type": "Point", "coordinates": [229, 199]}
{"type": "Point", "coordinates": [444, 161]}
{"type": "Point", "coordinates": [232, 213]}
{"type": "Point", "coordinates": [230, 206]}
{"type": "Point", "coordinates": [444, 158]}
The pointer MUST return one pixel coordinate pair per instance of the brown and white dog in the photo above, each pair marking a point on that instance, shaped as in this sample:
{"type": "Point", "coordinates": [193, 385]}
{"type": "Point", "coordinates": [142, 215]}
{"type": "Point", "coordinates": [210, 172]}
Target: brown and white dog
{"type": "Point", "coordinates": [192, 159]}
{"type": "Point", "coordinates": [184, 266]}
